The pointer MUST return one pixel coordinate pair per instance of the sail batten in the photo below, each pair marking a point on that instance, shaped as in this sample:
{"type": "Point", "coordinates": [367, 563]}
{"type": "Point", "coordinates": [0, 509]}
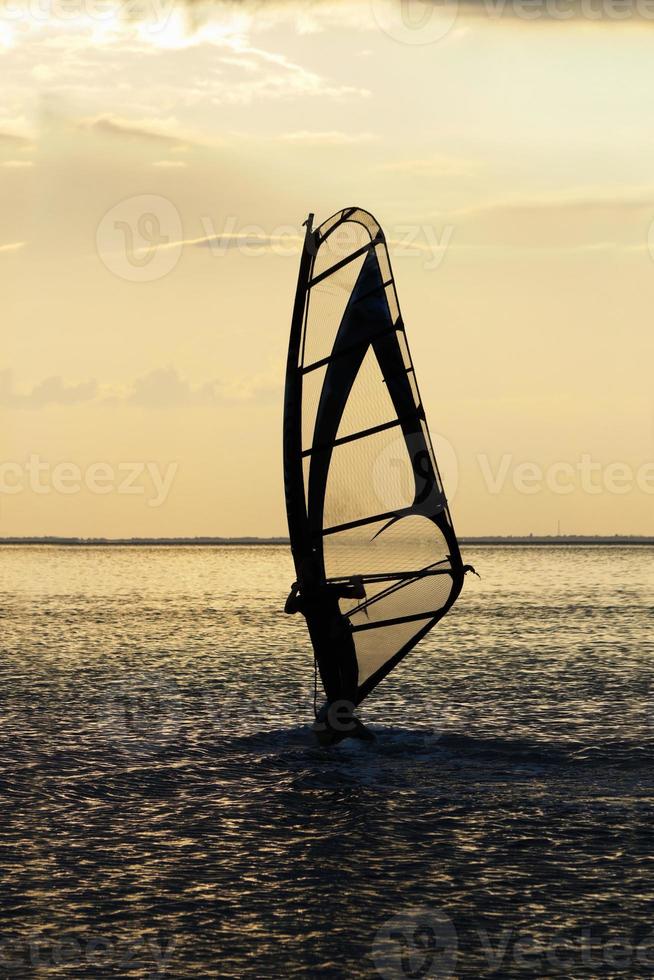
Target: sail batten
{"type": "Point", "coordinates": [393, 576]}
{"type": "Point", "coordinates": [396, 621]}
{"type": "Point", "coordinates": [343, 352]}
{"type": "Point", "coordinates": [339, 265]}
{"type": "Point", "coordinates": [364, 521]}
{"type": "Point", "coordinates": [366, 505]}
{"type": "Point", "coordinates": [362, 434]}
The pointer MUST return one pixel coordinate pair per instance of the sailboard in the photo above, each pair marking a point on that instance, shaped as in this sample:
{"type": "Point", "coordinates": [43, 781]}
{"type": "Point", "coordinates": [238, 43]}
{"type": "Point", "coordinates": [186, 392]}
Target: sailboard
{"type": "Point", "coordinates": [368, 518]}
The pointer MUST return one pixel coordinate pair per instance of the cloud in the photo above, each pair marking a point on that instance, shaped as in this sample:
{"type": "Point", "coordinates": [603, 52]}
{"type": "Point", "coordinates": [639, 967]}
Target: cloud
{"type": "Point", "coordinates": [15, 140]}
{"type": "Point", "coordinates": [579, 220]}
{"type": "Point", "coordinates": [166, 388]}
{"type": "Point", "coordinates": [267, 75]}
{"type": "Point", "coordinates": [310, 17]}
{"type": "Point", "coordinates": [169, 164]}
{"type": "Point", "coordinates": [391, 16]}
{"type": "Point", "coordinates": [284, 243]}
{"type": "Point", "coordinates": [162, 132]}
{"type": "Point", "coordinates": [161, 388]}
{"type": "Point", "coordinates": [320, 15]}
{"type": "Point", "coordinates": [50, 391]}
{"type": "Point", "coordinates": [12, 246]}
{"type": "Point", "coordinates": [16, 133]}
{"type": "Point", "coordinates": [249, 240]}
{"type": "Point", "coordinates": [327, 138]}
{"type": "Point", "coordinates": [581, 200]}
{"type": "Point", "coordinates": [17, 164]}
{"type": "Point", "coordinates": [614, 12]}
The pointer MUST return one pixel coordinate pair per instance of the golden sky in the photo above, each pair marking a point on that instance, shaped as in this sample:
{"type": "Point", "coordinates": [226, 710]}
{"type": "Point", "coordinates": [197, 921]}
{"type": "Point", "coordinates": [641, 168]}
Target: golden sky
{"type": "Point", "coordinates": [156, 165]}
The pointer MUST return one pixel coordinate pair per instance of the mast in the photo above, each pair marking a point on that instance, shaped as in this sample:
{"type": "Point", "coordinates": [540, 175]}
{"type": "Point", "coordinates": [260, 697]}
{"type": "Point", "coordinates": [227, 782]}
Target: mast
{"type": "Point", "coordinates": [296, 508]}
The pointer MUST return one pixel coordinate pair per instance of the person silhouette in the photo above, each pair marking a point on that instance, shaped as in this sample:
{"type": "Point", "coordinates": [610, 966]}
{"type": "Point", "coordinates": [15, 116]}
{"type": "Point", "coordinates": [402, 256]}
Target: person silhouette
{"type": "Point", "coordinates": [334, 650]}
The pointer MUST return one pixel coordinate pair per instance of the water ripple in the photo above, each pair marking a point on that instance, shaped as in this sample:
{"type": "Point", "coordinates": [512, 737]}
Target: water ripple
{"type": "Point", "coordinates": [164, 805]}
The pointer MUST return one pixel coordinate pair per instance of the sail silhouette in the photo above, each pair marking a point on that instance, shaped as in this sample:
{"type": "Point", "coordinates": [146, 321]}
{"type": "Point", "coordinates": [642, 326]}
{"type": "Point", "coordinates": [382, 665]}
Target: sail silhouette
{"type": "Point", "coordinates": [367, 514]}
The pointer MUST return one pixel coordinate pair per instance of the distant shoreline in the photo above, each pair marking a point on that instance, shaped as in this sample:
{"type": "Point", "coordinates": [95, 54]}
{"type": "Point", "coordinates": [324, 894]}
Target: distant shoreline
{"type": "Point", "coordinates": [209, 542]}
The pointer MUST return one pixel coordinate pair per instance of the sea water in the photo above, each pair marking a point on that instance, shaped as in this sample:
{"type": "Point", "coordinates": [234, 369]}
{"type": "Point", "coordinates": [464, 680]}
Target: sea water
{"type": "Point", "coordinates": [164, 810]}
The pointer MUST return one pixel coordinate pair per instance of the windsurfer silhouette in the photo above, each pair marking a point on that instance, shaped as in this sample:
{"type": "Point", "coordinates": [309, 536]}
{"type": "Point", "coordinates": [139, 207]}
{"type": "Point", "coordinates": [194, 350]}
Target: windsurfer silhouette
{"type": "Point", "coordinates": [334, 650]}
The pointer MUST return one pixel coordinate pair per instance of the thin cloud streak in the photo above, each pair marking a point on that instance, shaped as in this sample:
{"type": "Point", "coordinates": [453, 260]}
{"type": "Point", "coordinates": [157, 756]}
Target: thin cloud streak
{"type": "Point", "coordinates": [16, 133]}
{"type": "Point", "coordinates": [161, 132]}
{"type": "Point", "coordinates": [227, 241]}
{"type": "Point", "coordinates": [12, 246]}
{"type": "Point", "coordinates": [161, 388]}
{"type": "Point", "coordinates": [588, 199]}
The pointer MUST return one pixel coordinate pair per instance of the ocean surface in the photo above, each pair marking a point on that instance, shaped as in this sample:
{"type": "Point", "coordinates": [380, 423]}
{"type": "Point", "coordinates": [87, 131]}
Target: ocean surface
{"type": "Point", "coordinates": [165, 812]}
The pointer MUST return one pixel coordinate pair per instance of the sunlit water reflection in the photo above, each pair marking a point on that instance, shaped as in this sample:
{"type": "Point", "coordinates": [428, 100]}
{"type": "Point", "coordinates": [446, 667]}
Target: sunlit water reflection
{"type": "Point", "coordinates": [162, 797]}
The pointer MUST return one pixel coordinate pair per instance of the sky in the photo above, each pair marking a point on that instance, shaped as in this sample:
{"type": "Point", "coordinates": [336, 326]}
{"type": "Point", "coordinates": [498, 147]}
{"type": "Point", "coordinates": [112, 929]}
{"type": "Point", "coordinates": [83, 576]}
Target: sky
{"type": "Point", "coordinates": [156, 164]}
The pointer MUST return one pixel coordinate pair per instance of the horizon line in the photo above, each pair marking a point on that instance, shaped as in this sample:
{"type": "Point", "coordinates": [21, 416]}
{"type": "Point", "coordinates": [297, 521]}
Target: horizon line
{"type": "Point", "coordinates": [208, 540]}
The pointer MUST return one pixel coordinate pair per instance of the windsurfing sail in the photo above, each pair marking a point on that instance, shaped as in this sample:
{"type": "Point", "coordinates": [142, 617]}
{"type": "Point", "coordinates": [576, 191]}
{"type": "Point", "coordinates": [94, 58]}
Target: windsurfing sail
{"type": "Point", "coordinates": [364, 497]}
